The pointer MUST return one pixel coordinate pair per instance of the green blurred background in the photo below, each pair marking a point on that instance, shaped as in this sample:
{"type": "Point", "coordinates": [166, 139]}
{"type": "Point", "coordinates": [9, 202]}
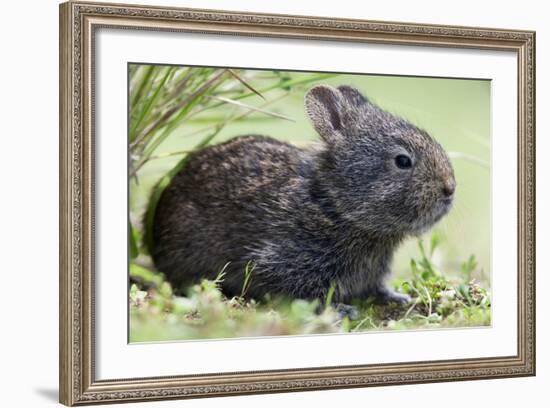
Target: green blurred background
{"type": "Point", "coordinates": [456, 112]}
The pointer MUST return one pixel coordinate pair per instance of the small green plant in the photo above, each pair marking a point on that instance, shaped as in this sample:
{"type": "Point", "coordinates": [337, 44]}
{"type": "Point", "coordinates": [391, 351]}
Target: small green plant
{"type": "Point", "coordinates": [438, 299]}
{"type": "Point", "coordinates": [330, 295]}
{"type": "Point", "coordinates": [248, 269]}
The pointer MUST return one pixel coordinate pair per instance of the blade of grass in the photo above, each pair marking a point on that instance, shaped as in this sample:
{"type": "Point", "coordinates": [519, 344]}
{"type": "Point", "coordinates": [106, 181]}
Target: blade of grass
{"type": "Point", "coordinates": [362, 322]}
{"type": "Point", "coordinates": [182, 83]}
{"type": "Point", "coordinates": [149, 104]}
{"type": "Point", "coordinates": [136, 108]}
{"type": "Point", "coordinates": [184, 106]}
{"type": "Point", "coordinates": [238, 117]}
{"type": "Point", "coordinates": [246, 84]}
{"type": "Point", "coordinates": [223, 123]}
{"type": "Point", "coordinates": [133, 249]}
{"type": "Point", "coordinates": [469, 158]}
{"type": "Point", "coordinates": [286, 84]}
{"type": "Point", "coordinates": [410, 309]}
{"type": "Point", "coordinates": [245, 106]}
{"type": "Point", "coordinates": [249, 268]}
{"type": "Point", "coordinates": [429, 301]}
{"type": "Point", "coordinates": [142, 83]}
{"type": "Point", "coordinates": [330, 295]}
{"type": "Point", "coordinates": [219, 277]}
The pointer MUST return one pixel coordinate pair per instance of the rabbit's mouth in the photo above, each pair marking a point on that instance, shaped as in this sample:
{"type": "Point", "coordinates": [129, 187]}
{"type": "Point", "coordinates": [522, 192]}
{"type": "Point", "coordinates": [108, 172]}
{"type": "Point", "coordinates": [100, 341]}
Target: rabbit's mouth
{"type": "Point", "coordinates": [448, 201]}
{"type": "Point", "coordinates": [440, 208]}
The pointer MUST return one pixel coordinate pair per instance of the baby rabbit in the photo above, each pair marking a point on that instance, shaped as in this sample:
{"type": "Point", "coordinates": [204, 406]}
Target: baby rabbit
{"type": "Point", "coordinates": [306, 219]}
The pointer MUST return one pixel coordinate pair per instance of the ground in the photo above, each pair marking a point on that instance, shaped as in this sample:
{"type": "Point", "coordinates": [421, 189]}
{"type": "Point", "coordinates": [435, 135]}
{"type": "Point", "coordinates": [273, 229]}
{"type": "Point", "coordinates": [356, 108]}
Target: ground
{"type": "Point", "coordinates": [438, 301]}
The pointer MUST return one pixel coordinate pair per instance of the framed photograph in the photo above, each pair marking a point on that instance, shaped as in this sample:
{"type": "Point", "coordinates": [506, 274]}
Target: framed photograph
{"type": "Point", "coordinates": [256, 203]}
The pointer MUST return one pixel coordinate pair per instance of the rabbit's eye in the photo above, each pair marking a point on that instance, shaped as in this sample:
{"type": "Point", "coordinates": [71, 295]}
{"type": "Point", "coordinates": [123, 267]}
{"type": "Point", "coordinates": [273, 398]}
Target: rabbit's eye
{"type": "Point", "coordinates": [403, 161]}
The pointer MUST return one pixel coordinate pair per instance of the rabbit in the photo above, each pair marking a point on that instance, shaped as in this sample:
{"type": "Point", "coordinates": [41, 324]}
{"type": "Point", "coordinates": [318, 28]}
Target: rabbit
{"type": "Point", "coordinates": [305, 219]}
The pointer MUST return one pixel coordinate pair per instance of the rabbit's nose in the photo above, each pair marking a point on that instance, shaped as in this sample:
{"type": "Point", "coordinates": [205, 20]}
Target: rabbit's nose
{"type": "Point", "coordinates": [449, 188]}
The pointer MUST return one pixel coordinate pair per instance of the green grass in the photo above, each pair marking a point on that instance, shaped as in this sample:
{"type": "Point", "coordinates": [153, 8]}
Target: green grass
{"type": "Point", "coordinates": [178, 110]}
{"type": "Point", "coordinates": [439, 299]}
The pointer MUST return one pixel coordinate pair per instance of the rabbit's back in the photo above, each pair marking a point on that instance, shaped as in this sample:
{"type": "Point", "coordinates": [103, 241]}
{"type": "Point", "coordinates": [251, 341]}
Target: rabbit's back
{"type": "Point", "coordinates": [223, 205]}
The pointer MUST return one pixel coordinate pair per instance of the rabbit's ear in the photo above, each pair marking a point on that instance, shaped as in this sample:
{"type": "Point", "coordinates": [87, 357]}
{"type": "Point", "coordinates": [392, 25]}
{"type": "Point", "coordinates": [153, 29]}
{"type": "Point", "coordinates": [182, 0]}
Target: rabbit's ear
{"type": "Point", "coordinates": [325, 108]}
{"type": "Point", "coordinates": [352, 96]}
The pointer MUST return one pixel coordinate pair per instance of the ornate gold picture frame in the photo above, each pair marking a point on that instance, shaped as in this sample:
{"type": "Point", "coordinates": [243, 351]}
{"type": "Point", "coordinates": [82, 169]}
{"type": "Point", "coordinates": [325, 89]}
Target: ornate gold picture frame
{"type": "Point", "coordinates": [79, 22]}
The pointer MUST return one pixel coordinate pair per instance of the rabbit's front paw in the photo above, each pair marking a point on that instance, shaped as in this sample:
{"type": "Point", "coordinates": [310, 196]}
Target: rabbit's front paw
{"type": "Point", "coordinates": [348, 311]}
{"type": "Point", "coordinates": [386, 295]}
